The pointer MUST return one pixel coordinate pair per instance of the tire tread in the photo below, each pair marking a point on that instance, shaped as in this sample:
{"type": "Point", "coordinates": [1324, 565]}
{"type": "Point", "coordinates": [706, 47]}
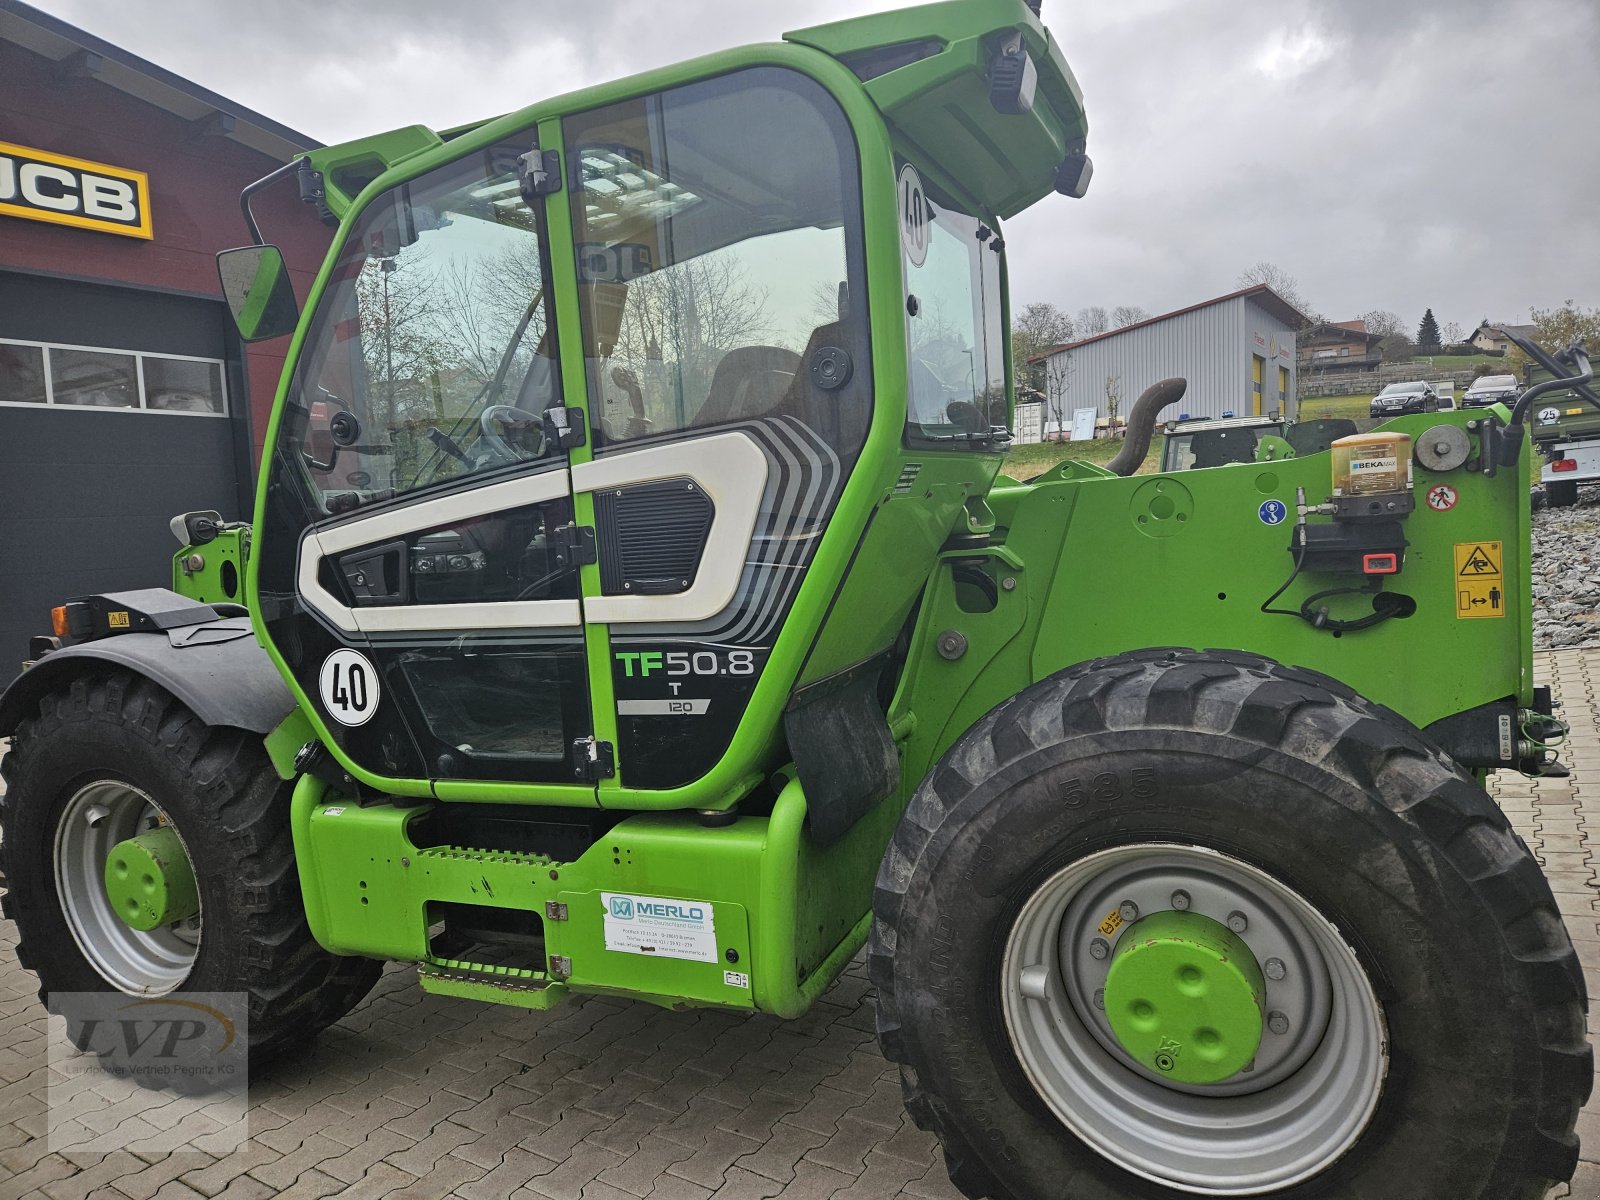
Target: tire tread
{"type": "Point", "coordinates": [295, 988]}
{"type": "Point", "coordinates": [1315, 718]}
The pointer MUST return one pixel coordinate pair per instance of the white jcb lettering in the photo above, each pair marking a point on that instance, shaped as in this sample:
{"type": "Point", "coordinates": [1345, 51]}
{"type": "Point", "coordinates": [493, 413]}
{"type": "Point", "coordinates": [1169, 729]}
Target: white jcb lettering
{"type": "Point", "coordinates": [63, 197]}
{"type": "Point", "coordinates": [8, 178]}
{"type": "Point", "coordinates": [111, 199]}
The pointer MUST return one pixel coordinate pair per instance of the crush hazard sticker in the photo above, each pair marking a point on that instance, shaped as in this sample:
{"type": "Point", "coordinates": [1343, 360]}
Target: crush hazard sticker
{"type": "Point", "coordinates": [659, 927]}
{"type": "Point", "coordinates": [1480, 580]}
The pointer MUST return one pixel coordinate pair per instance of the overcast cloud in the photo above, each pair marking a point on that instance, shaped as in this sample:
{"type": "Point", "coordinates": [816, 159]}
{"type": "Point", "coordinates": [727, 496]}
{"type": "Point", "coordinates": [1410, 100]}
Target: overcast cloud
{"type": "Point", "coordinates": [1390, 154]}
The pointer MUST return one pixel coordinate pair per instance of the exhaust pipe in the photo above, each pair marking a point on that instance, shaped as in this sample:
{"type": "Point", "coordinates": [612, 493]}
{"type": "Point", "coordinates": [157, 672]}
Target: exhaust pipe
{"type": "Point", "coordinates": [1142, 424]}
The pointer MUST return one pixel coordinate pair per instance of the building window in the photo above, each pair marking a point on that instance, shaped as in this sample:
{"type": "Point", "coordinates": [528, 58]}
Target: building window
{"type": "Point", "coordinates": [91, 377]}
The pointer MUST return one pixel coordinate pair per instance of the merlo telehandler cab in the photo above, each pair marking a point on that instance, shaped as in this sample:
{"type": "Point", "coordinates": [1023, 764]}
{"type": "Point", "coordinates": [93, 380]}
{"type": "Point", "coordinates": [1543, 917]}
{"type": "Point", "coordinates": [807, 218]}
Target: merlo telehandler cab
{"type": "Point", "coordinates": [634, 605]}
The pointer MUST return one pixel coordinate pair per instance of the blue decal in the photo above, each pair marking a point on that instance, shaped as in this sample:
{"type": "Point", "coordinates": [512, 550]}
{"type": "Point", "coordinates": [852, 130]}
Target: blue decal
{"type": "Point", "coordinates": [1273, 512]}
{"type": "Point", "coordinates": [622, 908]}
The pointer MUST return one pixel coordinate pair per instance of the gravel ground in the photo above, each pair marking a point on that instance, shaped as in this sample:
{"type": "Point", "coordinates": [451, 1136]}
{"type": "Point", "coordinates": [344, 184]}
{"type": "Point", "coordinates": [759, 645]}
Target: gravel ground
{"type": "Point", "coordinates": [1566, 573]}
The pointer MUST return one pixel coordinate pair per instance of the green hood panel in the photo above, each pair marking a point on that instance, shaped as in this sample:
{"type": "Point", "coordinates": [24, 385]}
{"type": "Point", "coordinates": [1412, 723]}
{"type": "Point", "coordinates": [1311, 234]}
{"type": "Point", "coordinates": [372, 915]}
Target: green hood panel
{"type": "Point", "coordinates": [937, 102]}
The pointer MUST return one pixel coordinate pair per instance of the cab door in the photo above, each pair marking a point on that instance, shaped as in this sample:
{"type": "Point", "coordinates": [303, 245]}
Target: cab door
{"type": "Point", "coordinates": [418, 561]}
{"type": "Point", "coordinates": [723, 346]}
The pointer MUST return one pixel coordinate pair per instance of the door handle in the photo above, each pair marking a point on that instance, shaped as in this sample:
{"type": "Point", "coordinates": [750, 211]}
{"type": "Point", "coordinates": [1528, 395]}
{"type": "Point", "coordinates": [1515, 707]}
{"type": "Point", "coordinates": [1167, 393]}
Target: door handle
{"type": "Point", "coordinates": [379, 575]}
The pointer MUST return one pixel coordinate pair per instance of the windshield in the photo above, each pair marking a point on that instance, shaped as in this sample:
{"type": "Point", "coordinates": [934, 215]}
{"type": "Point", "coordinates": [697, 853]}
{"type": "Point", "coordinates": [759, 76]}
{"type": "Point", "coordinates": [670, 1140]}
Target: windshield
{"type": "Point", "coordinates": [718, 248]}
{"type": "Point", "coordinates": [1402, 389]}
{"type": "Point", "coordinates": [1495, 383]}
{"type": "Point", "coordinates": [432, 354]}
{"type": "Point", "coordinates": [956, 386]}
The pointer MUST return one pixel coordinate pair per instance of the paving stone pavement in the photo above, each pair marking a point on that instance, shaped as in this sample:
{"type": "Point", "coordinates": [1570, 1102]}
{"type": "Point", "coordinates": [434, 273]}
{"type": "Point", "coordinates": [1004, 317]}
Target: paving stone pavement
{"type": "Point", "coordinates": [415, 1096]}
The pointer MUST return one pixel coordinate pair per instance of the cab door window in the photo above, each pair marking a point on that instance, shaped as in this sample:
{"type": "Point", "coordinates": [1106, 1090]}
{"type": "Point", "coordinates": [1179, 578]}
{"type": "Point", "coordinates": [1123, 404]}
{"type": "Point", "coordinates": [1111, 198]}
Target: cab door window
{"type": "Point", "coordinates": [434, 355]}
{"type": "Point", "coordinates": [416, 509]}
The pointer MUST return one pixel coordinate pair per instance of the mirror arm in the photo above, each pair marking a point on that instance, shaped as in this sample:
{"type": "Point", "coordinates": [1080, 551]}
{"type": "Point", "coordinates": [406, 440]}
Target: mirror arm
{"type": "Point", "coordinates": [282, 172]}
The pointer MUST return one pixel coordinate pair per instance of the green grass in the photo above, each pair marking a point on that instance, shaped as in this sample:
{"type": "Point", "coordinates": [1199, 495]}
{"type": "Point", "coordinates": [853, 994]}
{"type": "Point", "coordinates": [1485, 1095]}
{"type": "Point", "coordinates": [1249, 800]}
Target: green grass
{"type": "Point", "coordinates": [1325, 408]}
{"type": "Point", "coordinates": [1026, 462]}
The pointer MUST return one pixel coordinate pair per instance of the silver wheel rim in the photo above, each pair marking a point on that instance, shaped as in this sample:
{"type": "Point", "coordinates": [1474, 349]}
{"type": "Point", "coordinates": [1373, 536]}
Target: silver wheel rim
{"type": "Point", "coordinates": [1285, 1119]}
{"type": "Point", "coordinates": [98, 816]}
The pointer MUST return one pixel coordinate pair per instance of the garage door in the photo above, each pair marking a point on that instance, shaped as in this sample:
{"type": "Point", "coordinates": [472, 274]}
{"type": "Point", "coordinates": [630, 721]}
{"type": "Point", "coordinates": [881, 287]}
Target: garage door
{"type": "Point", "coordinates": [118, 410]}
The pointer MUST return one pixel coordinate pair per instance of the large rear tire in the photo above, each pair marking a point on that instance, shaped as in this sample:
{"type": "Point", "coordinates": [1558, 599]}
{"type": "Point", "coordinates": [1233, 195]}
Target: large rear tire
{"type": "Point", "coordinates": [111, 757]}
{"type": "Point", "coordinates": [1437, 1052]}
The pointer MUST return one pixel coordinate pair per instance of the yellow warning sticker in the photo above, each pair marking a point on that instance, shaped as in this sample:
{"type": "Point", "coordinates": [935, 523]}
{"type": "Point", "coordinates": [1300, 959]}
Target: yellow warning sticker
{"type": "Point", "coordinates": [1112, 923]}
{"type": "Point", "coordinates": [117, 620]}
{"type": "Point", "coordinates": [1480, 580]}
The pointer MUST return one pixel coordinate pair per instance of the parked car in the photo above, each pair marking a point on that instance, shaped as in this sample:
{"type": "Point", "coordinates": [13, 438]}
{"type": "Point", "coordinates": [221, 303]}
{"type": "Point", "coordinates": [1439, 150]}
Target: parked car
{"type": "Point", "coordinates": [1491, 389]}
{"type": "Point", "coordinates": [1399, 398]}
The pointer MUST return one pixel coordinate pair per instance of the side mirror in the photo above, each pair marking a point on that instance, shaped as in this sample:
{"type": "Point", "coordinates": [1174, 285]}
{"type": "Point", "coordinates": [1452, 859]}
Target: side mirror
{"type": "Point", "coordinates": [196, 528]}
{"type": "Point", "coordinates": [255, 283]}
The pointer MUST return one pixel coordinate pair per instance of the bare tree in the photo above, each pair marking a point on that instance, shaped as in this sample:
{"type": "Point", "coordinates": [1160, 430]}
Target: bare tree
{"type": "Point", "coordinates": [1383, 323]}
{"type": "Point", "coordinates": [1093, 322]}
{"type": "Point", "coordinates": [1557, 328]}
{"type": "Point", "coordinates": [1454, 335]}
{"type": "Point", "coordinates": [1127, 314]}
{"type": "Point", "coordinates": [1113, 398]}
{"type": "Point", "coordinates": [1280, 281]}
{"type": "Point", "coordinates": [676, 325]}
{"type": "Point", "coordinates": [1036, 329]}
{"type": "Point", "coordinates": [1058, 372]}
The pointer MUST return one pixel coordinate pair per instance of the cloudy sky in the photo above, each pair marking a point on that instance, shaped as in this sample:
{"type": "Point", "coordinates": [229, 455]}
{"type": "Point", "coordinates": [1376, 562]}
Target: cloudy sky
{"type": "Point", "coordinates": [1393, 154]}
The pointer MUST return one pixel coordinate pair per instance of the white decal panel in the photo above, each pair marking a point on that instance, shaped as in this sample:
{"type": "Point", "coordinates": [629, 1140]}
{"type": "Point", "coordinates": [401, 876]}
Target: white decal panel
{"type": "Point", "coordinates": [658, 926]}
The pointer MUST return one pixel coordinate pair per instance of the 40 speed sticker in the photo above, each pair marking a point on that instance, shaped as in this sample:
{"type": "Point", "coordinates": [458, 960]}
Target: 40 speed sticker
{"type": "Point", "coordinates": [350, 688]}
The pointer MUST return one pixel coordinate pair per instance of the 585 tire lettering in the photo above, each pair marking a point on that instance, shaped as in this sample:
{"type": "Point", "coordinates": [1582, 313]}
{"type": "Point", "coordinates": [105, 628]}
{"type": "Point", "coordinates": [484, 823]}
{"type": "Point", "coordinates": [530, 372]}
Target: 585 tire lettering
{"type": "Point", "coordinates": [1107, 787]}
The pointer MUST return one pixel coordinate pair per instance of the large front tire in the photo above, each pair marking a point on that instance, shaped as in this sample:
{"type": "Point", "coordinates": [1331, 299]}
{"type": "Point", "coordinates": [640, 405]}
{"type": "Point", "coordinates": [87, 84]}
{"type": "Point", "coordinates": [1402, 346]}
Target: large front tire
{"type": "Point", "coordinates": [1450, 1031]}
{"type": "Point", "coordinates": [111, 757]}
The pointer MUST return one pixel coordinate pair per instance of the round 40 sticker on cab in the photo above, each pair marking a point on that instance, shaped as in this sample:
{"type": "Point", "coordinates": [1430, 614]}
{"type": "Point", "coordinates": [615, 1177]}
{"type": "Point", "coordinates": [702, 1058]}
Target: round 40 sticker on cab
{"type": "Point", "coordinates": [350, 687]}
{"type": "Point", "coordinates": [916, 215]}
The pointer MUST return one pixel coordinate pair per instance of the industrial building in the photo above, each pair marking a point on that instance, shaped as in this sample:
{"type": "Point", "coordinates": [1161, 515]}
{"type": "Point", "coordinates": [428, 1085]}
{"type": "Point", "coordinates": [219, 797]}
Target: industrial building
{"type": "Point", "coordinates": [125, 395]}
{"type": "Point", "coordinates": [1237, 352]}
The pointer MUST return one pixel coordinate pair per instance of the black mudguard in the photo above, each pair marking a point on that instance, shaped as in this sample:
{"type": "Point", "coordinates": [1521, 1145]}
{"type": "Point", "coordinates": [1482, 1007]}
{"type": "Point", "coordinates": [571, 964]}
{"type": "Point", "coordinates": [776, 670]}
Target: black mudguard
{"type": "Point", "coordinates": [215, 668]}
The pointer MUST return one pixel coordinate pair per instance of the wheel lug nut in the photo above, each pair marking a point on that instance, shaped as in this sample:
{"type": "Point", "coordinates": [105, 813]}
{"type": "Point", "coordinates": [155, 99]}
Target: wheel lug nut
{"type": "Point", "coordinates": [1275, 969]}
{"type": "Point", "coordinates": [1099, 997]}
{"type": "Point", "coordinates": [1099, 948]}
{"type": "Point", "coordinates": [1180, 900]}
{"type": "Point", "coordinates": [1238, 922]}
{"type": "Point", "coordinates": [1129, 910]}
{"type": "Point", "coordinates": [1278, 1023]}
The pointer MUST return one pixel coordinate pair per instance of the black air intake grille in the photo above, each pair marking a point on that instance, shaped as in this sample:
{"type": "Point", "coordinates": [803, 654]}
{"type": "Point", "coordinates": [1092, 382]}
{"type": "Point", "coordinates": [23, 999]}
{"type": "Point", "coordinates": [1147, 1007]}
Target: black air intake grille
{"type": "Point", "coordinates": [651, 537]}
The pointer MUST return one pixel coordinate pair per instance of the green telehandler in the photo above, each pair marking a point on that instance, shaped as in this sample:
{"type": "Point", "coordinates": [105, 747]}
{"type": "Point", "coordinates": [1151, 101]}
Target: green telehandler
{"type": "Point", "coordinates": [635, 605]}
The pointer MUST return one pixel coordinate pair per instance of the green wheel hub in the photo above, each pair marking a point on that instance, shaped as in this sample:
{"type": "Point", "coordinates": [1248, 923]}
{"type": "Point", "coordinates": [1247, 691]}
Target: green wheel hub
{"type": "Point", "coordinates": [150, 882]}
{"type": "Point", "coordinates": [1184, 995]}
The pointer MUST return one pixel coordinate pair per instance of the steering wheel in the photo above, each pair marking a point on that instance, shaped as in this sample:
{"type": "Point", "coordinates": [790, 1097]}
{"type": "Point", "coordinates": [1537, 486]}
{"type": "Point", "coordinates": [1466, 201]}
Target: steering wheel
{"type": "Point", "coordinates": [491, 438]}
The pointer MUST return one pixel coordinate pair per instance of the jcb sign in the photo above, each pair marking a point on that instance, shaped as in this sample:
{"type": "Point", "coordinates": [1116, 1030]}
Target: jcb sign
{"type": "Point", "coordinates": [40, 186]}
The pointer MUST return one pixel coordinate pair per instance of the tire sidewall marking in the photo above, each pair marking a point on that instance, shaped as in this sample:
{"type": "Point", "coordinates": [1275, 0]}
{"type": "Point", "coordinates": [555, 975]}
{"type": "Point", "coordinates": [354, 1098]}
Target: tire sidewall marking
{"type": "Point", "coordinates": [349, 688]}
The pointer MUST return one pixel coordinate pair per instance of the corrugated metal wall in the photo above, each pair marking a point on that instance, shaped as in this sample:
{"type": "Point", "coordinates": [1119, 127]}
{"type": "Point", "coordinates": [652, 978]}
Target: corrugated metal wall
{"type": "Point", "coordinates": [1211, 347]}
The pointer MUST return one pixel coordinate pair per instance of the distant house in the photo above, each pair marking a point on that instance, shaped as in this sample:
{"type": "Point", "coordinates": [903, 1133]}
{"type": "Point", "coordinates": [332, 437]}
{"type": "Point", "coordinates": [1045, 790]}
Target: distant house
{"type": "Point", "coordinates": [1339, 346]}
{"type": "Point", "coordinates": [1236, 351]}
{"type": "Point", "coordinates": [1491, 338]}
